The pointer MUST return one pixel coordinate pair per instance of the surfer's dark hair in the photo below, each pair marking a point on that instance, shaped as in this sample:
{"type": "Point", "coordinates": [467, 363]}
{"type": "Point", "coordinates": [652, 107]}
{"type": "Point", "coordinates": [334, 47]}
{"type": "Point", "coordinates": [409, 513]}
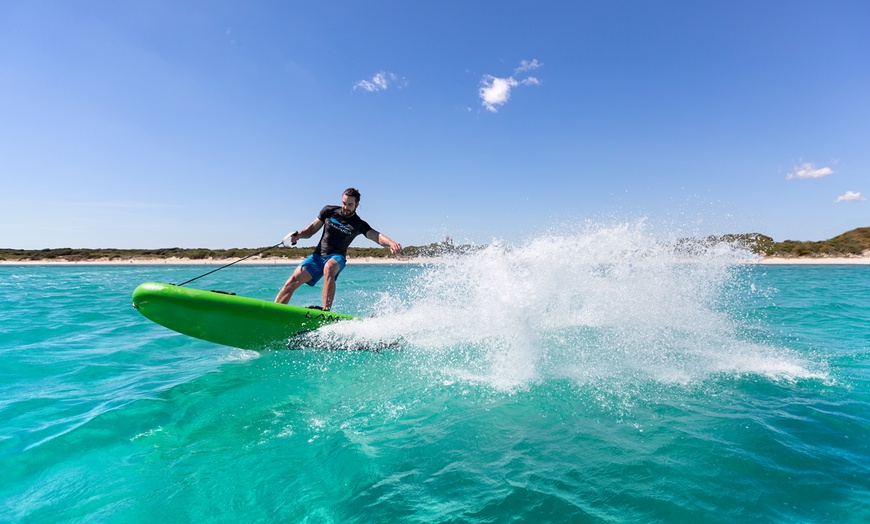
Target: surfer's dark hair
{"type": "Point", "coordinates": [352, 192]}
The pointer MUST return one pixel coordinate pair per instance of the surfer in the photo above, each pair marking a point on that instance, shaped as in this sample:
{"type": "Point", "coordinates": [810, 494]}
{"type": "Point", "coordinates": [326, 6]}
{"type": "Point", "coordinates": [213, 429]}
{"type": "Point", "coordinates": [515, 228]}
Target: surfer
{"type": "Point", "coordinates": [330, 255]}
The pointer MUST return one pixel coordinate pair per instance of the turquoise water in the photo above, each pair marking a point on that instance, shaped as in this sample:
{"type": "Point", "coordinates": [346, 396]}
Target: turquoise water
{"type": "Point", "coordinates": [621, 384]}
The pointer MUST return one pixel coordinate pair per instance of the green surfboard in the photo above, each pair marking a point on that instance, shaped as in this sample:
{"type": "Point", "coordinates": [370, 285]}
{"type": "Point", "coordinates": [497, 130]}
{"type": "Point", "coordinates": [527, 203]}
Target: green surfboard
{"type": "Point", "coordinates": [230, 320]}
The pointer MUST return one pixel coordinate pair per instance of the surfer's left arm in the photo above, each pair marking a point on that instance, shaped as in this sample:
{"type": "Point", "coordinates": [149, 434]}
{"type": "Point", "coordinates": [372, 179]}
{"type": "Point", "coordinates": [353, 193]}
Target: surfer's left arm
{"type": "Point", "coordinates": [384, 240]}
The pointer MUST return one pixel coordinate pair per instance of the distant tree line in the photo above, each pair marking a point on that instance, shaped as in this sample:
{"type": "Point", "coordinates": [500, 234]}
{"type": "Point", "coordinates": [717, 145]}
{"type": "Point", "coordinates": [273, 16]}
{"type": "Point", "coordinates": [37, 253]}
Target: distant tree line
{"type": "Point", "coordinates": [851, 243]}
{"type": "Point", "coordinates": [291, 253]}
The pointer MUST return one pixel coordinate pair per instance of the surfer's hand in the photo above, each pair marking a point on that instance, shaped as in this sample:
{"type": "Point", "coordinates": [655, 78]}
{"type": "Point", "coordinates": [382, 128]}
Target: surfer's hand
{"type": "Point", "coordinates": [395, 248]}
{"type": "Point", "coordinates": [291, 238]}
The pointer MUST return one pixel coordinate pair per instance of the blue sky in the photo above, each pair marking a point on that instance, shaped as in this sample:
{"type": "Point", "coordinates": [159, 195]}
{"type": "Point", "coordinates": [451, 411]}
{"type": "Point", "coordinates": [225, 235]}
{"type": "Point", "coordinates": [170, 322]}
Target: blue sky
{"type": "Point", "coordinates": [229, 123]}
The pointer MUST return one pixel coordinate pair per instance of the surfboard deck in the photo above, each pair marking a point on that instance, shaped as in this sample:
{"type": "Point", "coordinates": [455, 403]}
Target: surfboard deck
{"type": "Point", "coordinates": [226, 319]}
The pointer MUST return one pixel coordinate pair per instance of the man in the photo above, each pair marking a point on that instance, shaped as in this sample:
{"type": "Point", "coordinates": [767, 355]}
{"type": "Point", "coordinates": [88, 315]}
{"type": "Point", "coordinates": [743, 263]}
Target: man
{"type": "Point", "coordinates": [330, 255]}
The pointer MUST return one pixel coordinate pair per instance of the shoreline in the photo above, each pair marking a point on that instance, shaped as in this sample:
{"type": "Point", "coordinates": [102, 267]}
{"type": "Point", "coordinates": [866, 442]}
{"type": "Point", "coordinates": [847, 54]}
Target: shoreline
{"type": "Point", "coordinates": [277, 261]}
{"type": "Point", "coordinates": [808, 261]}
{"type": "Point", "coordinates": [175, 261]}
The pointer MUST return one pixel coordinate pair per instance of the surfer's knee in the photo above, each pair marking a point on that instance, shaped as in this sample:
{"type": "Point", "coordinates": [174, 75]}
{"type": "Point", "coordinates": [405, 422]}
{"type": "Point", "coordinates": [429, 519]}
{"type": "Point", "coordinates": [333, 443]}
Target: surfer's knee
{"type": "Point", "coordinates": [331, 269]}
{"type": "Point", "coordinates": [296, 280]}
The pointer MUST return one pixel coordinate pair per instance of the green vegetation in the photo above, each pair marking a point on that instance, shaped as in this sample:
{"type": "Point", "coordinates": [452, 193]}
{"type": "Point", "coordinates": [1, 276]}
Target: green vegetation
{"type": "Point", "coordinates": [121, 255]}
{"type": "Point", "coordinates": [851, 243]}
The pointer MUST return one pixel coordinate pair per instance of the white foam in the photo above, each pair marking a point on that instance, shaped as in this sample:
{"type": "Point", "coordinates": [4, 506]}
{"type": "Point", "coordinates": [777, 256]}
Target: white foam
{"type": "Point", "coordinates": [600, 303]}
{"type": "Point", "coordinates": [238, 355]}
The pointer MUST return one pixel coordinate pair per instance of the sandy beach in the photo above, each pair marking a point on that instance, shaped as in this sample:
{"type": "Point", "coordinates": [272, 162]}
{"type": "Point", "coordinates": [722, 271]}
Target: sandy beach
{"type": "Point", "coordinates": [145, 261]}
{"type": "Point", "coordinates": [278, 261]}
{"type": "Point", "coordinates": [862, 260]}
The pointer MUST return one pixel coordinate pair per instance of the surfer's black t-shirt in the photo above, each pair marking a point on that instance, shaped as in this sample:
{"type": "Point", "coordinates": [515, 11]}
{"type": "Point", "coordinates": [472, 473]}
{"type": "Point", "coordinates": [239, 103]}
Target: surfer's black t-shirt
{"type": "Point", "coordinates": [338, 231]}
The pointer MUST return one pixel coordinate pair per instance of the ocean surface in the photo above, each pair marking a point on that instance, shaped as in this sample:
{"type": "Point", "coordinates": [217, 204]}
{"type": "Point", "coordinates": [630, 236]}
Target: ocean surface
{"type": "Point", "coordinates": [590, 378]}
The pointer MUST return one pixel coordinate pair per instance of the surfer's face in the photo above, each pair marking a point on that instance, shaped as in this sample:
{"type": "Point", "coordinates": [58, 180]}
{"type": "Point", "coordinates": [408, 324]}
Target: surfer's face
{"type": "Point", "coordinates": [348, 205]}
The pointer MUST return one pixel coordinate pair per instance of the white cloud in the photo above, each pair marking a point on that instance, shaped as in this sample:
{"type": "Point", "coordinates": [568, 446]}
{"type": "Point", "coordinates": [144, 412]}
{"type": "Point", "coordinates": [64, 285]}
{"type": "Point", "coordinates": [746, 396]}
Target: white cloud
{"type": "Point", "coordinates": [380, 82]}
{"type": "Point", "coordinates": [850, 196]}
{"type": "Point", "coordinates": [525, 66]}
{"type": "Point", "coordinates": [809, 170]}
{"type": "Point", "coordinates": [495, 91]}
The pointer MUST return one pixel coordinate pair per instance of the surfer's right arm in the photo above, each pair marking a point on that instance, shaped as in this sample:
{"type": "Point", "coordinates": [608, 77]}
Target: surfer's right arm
{"type": "Point", "coordinates": [306, 232]}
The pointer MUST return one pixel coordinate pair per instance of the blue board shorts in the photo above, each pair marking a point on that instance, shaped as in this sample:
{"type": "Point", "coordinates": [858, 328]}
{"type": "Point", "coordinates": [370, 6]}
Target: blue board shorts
{"type": "Point", "coordinates": [314, 264]}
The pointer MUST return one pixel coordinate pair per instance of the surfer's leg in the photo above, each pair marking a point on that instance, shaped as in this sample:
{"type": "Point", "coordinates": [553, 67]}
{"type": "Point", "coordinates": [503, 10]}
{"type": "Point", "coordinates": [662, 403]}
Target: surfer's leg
{"type": "Point", "coordinates": [300, 276]}
{"type": "Point", "coordinates": [330, 274]}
